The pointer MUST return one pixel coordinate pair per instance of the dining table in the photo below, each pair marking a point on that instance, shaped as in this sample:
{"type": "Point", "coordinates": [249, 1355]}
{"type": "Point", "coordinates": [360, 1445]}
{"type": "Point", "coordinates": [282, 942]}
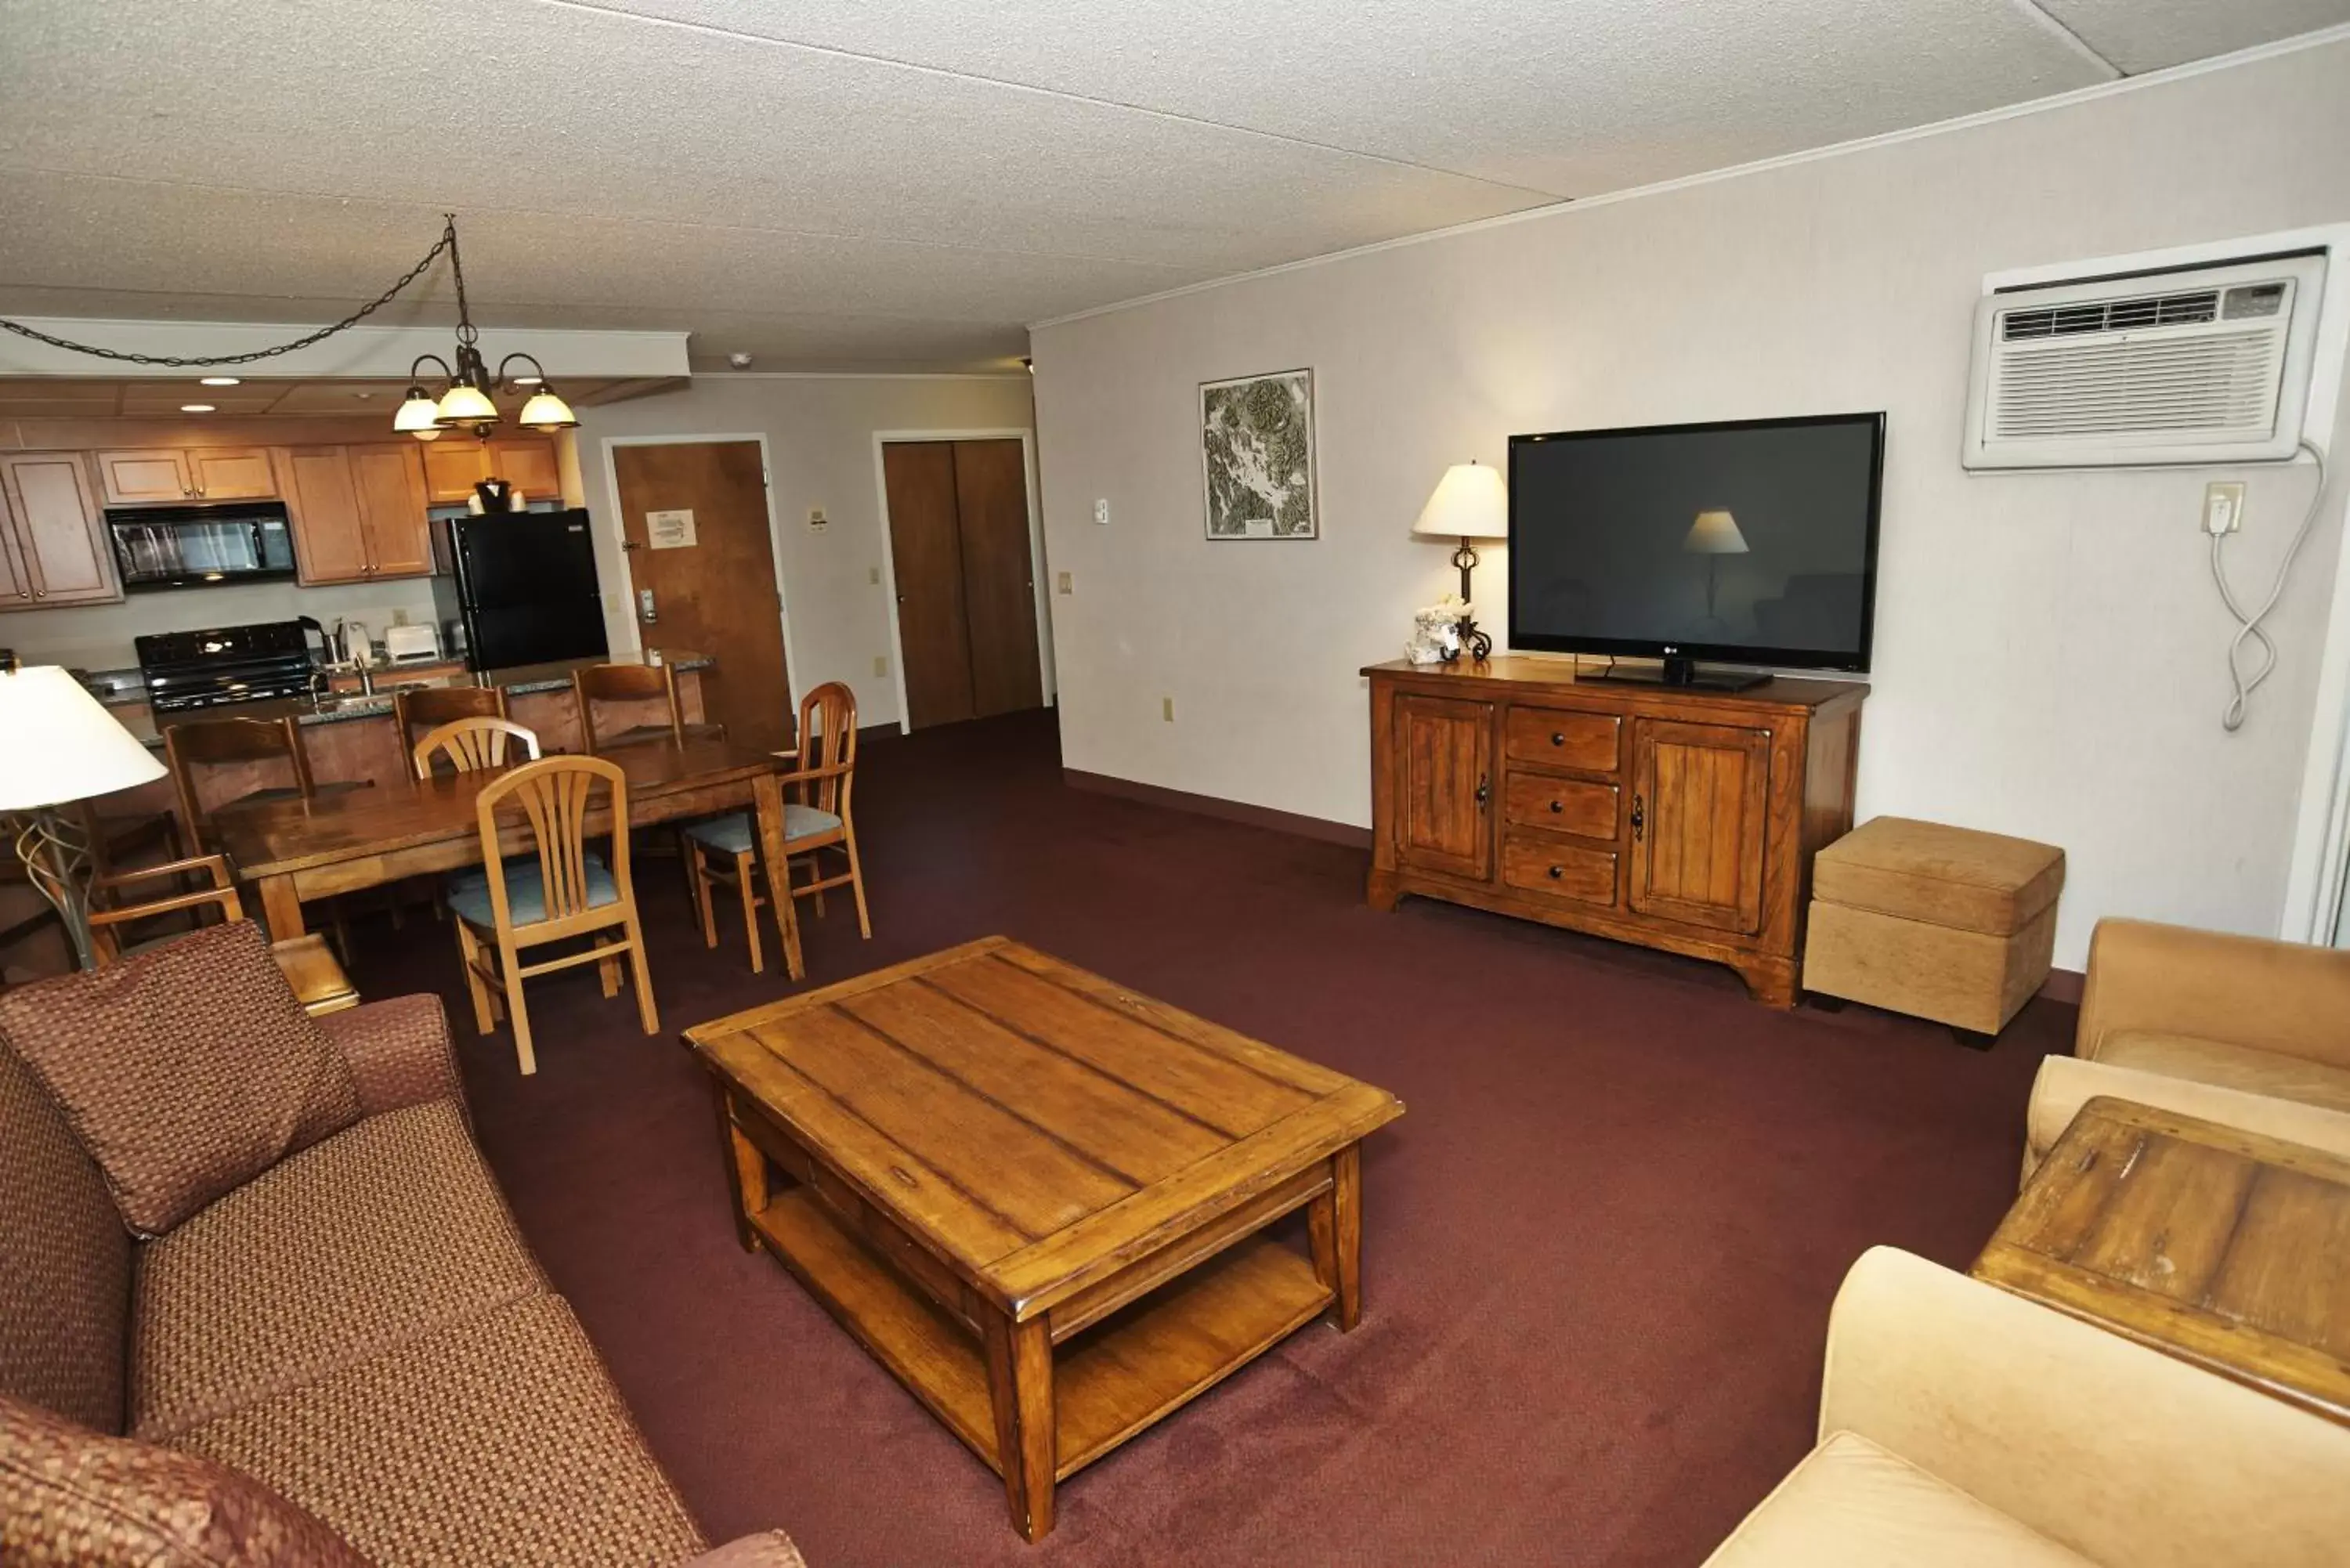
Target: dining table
{"type": "Point", "coordinates": [294, 851]}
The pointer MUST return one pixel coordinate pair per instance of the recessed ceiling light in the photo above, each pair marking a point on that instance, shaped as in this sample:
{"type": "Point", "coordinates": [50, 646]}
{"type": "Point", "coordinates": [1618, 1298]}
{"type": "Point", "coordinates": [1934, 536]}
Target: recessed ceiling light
{"type": "Point", "coordinates": [196, 408]}
{"type": "Point", "coordinates": [221, 381]}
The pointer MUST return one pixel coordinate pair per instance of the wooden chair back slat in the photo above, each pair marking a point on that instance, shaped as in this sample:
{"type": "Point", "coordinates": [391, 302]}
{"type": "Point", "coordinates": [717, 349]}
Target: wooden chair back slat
{"type": "Point", "coordinates": [434, 706]}
{"type": "Point", "coordinates": [595, 683]}
{"type": "Point", "coordinates": [472, 745]}
{"type": "Point", "coordinates": [827, 757]}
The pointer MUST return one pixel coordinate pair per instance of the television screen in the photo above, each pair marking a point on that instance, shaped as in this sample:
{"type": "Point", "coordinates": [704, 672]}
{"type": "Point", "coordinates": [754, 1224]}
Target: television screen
{"type": "Point", "coordinates": [1753, 542]}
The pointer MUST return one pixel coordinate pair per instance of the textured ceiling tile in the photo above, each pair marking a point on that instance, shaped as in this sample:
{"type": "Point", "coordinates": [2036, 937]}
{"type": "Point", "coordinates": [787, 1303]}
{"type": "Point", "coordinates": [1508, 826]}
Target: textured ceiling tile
{"type": "Point", "coordinates": [2139, 37]}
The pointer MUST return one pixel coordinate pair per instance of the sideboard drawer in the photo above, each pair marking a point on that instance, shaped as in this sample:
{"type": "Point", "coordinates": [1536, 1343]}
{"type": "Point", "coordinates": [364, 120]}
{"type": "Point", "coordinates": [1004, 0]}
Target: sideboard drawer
{"type": "Point", "coordinates": [1560, 806]}
{"type": "Point", "coordinates": [1585, 741]}
{"type": "Point", "coordinates": [1557, 870]}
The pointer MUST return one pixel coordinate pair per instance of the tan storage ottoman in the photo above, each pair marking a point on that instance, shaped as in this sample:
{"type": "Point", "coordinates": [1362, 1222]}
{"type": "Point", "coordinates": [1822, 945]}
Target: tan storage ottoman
{"type": "Point", "coordinates": [1939, 922]}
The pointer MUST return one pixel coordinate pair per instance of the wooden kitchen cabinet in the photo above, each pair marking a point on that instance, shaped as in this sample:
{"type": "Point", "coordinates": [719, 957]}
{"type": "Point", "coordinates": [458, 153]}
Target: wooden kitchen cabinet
{"type": "Point", "coordinates": [454, 464]}
{"type": "Point", "coordinates": [1676, 818]}
{"type": "Point", "coordinates": [131, 478]}
{"type": "Point", "coordinates": [358, 511]}
{"type": "Point", "coordinates": [56, 533]}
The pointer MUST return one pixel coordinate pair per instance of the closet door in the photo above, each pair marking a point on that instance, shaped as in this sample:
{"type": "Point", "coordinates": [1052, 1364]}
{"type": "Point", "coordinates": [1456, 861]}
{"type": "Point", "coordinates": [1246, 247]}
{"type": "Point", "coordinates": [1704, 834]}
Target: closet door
{"type": "Point", "coordinates": [998, 579]}
{"type": "Point", "coordinates": [926, 558]}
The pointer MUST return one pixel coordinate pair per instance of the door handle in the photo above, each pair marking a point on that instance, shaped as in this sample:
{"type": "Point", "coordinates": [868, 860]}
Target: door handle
{"type": "Point", "coordinates": [1485, 789]}
{"type": "Point", "coordinates": [645, 611]}
{"type": "Point", "coordinates": [1639, 817]}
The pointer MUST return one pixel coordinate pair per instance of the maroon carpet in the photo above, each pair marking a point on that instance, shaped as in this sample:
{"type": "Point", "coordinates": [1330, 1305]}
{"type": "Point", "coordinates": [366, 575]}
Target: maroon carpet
{"type": "Point", "coordinates": [1599, 1247]}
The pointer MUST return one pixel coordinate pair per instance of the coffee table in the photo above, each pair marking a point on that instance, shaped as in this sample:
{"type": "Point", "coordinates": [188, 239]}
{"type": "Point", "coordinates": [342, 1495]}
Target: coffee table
{"type": "Point", "coordinates": [1038, 1199]}
{"type": "Point", "coordinates": [2223, 1248]}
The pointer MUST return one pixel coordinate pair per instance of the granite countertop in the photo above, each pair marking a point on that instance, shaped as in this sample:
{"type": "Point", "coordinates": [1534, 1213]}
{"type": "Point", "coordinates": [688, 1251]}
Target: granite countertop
{"type": "Point", "coordinates": [519, 682]}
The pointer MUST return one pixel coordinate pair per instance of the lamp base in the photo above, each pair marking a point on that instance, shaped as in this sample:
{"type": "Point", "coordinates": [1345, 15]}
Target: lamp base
{"type": "Point", "coordinates": [56, 853]}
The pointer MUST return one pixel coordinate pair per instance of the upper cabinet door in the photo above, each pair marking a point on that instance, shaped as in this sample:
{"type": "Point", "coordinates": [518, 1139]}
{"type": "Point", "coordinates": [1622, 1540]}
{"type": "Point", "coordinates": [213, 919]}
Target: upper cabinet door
{"type": "Point", "coordinates": [526, 463]}
{"type": "Point", "coordinates": [329, 533]}
{"type": "Point", "coordinates": [154, 474]}
{"type": "Point", "coordinates": [231, 473]}
{"type": "Point", "coordinates": [389, 477]}
{"type": "Point", "coordinates": [1699, 802]}
{"type": "Point", "coordinates": [452, 466]}
{"type": "Point", "coordinates": [60, 532]}
{"type": "Point", "coordinates": [15, 576]}
{"type": "Point", "coordinates": [1444, 785]}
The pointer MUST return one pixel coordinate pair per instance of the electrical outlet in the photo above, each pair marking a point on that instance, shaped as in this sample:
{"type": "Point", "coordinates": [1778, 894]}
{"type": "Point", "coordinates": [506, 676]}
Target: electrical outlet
{"type": "Point", "coordinates": [1101, 513]}
{"type": "Point", "coordinates": [400, 617]}
{"type": "Point", "coordinates": [880, 664]}
{"type": "Point", "coordinates": [816, 519]}
{"type": "Point", "coordinates": [1062, 582]}
{"type": "Point", "coordinates": [873, 575]}
{"type": "Point", "coordinates": [2223, 506]}
{"type": "Point", "coordinates": [1167, 708]}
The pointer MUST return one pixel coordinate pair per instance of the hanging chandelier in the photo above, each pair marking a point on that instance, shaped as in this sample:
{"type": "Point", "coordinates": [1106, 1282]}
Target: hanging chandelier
{"type": "Point", "coordinates": [464, 401]}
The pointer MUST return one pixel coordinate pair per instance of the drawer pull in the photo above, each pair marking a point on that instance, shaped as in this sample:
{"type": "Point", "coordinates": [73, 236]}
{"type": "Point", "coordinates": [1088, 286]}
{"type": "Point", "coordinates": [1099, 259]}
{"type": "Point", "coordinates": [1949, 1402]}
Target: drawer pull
{"type": "Point", "coordinates": [1556, 872]}
{"type": "Point", "coordinates": [1558, 737]}
{"type": "Point", "coordinates": [1557, 806]}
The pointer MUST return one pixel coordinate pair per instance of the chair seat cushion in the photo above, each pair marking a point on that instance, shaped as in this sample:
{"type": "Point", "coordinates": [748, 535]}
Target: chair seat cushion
{"type": "Point", "coordinates": [469, 894]}
{"type": "Point", "coordinates": [1851, 1504]}
{"type": "Point", "coordinates": [2230, 1066]}
{"type": "Point", "coordinates": [1941, 875]}
{"type": "Point", "coordinates": [738, 834]}
{"type": "Point", "coordinates": [383, 1232]}
{"type": "Point", "coordinates": [496, 1440]}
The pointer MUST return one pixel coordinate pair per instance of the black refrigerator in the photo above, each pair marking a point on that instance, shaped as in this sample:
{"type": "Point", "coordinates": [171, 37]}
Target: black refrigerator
{"type": "Point", "coordinates": [520, 585]}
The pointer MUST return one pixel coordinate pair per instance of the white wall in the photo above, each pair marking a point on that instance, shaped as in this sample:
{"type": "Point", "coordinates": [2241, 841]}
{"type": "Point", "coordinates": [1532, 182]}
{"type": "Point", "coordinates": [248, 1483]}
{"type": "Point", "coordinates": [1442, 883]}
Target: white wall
{"type": "Point", "coordinates": [819, 433]}
{"type": "Point", "coordinates": [2049, 649]}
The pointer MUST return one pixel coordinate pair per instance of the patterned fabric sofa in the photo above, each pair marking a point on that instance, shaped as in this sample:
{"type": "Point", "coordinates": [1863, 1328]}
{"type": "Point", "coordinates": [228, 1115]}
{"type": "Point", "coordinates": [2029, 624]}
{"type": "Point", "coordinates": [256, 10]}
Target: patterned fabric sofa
{"type": "Point", "coordinates": [360, 1328]}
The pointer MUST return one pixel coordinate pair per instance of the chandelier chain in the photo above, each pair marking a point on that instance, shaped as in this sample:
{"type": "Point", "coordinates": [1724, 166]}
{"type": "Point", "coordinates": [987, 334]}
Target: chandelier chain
{"type": "Point", "coordinates": [448, 242]}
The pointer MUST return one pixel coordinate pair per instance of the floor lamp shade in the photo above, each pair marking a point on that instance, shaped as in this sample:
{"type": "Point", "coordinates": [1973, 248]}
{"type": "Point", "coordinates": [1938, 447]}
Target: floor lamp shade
{"type": "Point", "coordinates": [60, 745]}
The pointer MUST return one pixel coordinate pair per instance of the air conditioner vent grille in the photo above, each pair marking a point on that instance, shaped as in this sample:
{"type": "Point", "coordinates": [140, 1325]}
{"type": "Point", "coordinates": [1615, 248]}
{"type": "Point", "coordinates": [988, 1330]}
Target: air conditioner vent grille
{"type": "Point", "coordinates": [2112, 315]}
{"type": "Point", "coordinates": [2216, 387]}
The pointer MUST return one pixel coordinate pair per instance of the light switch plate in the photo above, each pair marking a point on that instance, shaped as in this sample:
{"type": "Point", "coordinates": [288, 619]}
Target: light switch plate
{"type": "Point", "coordinates": [1167, 708]}
{"type": "Point", "coordinates": [816, 519]}
{"type": "Point", "coordinates": [873, 575]}
{"type": "Point", "coordinates": [1062, 584]}
{"type": "Point", "coordinates": [880, 664]}
{"type": "Point", "coordinates": [2223, 506]}
{"type": "Point", "coordinates": [1101, 513]}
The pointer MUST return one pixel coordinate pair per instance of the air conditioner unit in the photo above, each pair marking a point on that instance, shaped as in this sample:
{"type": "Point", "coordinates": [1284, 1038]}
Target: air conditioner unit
{"type": "Point", "coordinates": [2208, 365]}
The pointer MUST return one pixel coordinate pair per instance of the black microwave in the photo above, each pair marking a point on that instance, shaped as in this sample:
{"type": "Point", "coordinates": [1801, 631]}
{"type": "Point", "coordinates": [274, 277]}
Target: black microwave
{"type": "Point", "coordinates": [201, 546]}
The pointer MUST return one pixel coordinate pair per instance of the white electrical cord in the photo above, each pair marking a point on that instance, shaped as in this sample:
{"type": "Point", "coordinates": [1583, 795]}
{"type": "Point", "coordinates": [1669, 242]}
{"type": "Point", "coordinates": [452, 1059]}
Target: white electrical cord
{"type": "Point", "coordinates": [2242, 685]}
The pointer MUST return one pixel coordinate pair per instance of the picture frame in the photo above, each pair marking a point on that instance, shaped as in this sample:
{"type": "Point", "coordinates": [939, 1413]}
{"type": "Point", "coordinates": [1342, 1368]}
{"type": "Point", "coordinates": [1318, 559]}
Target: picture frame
{"type": "Point", "coordinates": [1256, 457]}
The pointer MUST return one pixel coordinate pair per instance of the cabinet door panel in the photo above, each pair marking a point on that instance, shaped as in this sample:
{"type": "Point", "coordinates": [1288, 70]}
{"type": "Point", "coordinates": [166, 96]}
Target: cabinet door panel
{"type": "Point", "coordinates": [157, 474]}
{"type": "Point", "coordinates": [330, 534]}
{"type": "Point", "coordinates": [59, 529]}
{"type": "Point", "coordinates": [389, 477]}
{"type": "Point", "coordinates": [1700, 803]}
{"type": "Point", "coordinates": [1444, 758]}
{"type": "Point", "coordinates": [452, 466]}
{"type": "Point", "coordinates": [15, 580]}
{"type": "Point", "coordinates": [526, 463]}
{"type": "Point", "coordinates": [231, 473]}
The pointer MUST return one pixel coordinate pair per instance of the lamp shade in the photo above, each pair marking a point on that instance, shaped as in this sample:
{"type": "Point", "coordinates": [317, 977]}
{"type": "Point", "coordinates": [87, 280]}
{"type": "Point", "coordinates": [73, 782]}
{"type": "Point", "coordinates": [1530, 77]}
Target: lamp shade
{"type": "Point", "coordinates": [1470, 503]}
{"type": "Point", "coordinates": [1715, 533]}
{"type": "Point", "coordinates": [62, 745]}
{"type": "Point", "coordinates": [464, 405]}
{"type": "Point", "coordinates": [546, 412]}
{"type": "Point", "coordinates": [417, 413]}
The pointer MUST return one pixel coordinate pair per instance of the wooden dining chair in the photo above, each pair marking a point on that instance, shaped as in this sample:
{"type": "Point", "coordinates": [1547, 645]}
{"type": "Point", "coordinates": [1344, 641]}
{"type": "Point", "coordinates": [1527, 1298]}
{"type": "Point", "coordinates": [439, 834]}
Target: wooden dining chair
{"type": "Point", "coordinates": [319, 981]}
{"type": "Point", "coordinates": [593, 685]}
{"type": "Point", "coordinates": [554, 891]}
{"type": "Point", "coordinates": [471, 745]}
{"type": "Point", "coordinates": [218, 764]}
{"type": "Point", "coordinates": [430, 707]}
{"type": "Point", "coordinates": [818, 817]}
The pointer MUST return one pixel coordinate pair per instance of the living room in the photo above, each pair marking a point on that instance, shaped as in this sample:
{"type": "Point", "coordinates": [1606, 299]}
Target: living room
{"type": "Point", "coordinates": [1235, 999]}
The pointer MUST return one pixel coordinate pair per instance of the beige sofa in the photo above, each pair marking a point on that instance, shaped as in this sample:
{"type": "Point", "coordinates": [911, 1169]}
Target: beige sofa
{"type": "Point", "coordinates": [2238, 1030]}
{"type": "Point", "coordinates": [1962, 1426]}
{"type": "Point", "coordinates": [360, 1328]}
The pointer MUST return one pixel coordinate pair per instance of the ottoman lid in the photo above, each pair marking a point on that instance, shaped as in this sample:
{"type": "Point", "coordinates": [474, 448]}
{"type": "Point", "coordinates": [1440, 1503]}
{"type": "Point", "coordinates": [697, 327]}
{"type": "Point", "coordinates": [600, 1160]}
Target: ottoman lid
{"type": "Point", "coordinates": [1943, 876]}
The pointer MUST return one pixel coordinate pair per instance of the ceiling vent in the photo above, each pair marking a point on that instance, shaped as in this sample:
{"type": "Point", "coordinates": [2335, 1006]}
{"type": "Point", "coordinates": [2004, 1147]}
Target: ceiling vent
{"type": "Point", "coordinates": [2206, 366]}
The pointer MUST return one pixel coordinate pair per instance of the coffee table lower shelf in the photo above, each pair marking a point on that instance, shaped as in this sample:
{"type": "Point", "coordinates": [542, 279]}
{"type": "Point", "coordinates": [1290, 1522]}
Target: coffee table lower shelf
{"type": "Point", "coordinates": [1109, 1382]}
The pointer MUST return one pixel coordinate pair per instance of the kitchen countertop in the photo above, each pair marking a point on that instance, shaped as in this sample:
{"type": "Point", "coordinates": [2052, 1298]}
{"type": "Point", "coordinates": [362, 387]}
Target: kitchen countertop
{"type": "Point", "coordinates": [519, 682]}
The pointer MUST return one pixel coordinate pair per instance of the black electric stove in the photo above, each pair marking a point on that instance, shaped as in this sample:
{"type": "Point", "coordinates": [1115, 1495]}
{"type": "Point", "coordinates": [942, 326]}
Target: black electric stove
{"type": "Point", "coordinates": [228, 664]}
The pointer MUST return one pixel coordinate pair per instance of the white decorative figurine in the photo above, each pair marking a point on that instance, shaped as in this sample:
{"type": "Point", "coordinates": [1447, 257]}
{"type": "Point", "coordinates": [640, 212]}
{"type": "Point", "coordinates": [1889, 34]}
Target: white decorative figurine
{"type": "Point", "coordinates": [1436, 631]}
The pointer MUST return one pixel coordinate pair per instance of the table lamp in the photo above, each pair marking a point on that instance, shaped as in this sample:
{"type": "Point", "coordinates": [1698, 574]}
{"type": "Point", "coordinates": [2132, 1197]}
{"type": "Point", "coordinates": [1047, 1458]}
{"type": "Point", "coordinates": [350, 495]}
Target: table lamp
{"type": "Point", "coordinates": [60, 747]}
{"type": "Point", "coordinates": [1713, 535]}
{"type": "Point", "coordinates": [1470, 503]}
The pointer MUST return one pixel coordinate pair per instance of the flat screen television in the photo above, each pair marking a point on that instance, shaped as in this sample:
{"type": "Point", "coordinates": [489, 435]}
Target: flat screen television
{"type": "Point", "coordinates": [1753, 542]}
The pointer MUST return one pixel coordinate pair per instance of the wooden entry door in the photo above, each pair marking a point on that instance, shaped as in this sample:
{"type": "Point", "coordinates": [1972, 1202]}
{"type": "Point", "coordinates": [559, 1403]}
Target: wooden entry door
{"type": "Point", "coordinates": [1701, 792]}
{"type": "Point", "coordinates": [966, 580]}
{"type": "Point", "coordinates": [716, 595]}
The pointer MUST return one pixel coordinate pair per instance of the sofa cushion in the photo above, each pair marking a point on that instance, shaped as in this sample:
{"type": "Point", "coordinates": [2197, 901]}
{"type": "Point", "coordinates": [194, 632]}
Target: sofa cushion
{"type": "Point", "coordinates": [71, 1496]}
{"type": "Point", "coordinates": [1944, 876]}
{"type": "Point", "coordinates": [382, 1234]}
{"type": "Point", "coordinates": [496, 1440]}
{"type": "Point", "coordinates": [398, 1051]}
{"type": "Point", "coordinates": [2231, 1067]}
{"type": "Point", "coordinates": [65, 1261]}
{"type": "Point", "coordinates": [1851, 1504]}
{"type": "Point", "coordinates": [185, 1070]}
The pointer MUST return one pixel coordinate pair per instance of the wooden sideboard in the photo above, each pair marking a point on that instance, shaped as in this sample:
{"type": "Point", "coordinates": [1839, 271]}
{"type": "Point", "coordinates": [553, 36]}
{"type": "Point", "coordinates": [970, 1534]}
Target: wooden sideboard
{"type": "Point", "coordinates": [1669, 816]}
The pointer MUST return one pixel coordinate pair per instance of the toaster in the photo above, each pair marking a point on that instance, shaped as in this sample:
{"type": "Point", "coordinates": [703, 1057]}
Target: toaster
{"type": "Point", "coordinates": [411, 644]}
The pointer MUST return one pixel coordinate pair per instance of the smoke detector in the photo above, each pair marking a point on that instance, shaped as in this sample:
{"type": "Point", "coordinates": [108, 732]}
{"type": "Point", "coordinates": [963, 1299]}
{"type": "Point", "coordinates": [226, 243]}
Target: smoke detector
{"type": "Point", "coordinates": [740, 361]}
